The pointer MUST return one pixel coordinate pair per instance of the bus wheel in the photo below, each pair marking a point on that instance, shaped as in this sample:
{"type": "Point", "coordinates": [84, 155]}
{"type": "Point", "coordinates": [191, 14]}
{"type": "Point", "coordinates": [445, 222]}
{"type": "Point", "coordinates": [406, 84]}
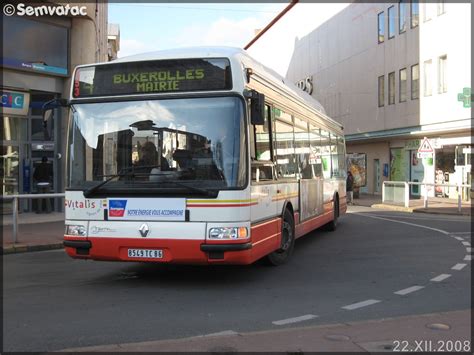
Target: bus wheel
{"type": "Point", "coordinates": [281, 256]}
{"type": "Point", "coordinates": [332, 226]}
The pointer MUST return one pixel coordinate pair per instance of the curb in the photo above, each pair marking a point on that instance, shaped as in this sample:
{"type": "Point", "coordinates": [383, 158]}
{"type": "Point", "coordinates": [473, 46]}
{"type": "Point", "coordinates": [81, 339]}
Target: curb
{"type": "Point", "coordinates": [445, 213]}
{"type": "Point", "coordinates": [382, 206]}
{"type": "Point", "coordinates": [21, 248]}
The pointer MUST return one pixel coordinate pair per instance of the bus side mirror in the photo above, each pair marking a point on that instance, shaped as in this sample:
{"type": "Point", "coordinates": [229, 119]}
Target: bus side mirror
{"type": "Point", "coordinates": [257, 108]}
{"type": "Point", "coordinates": [49, 107]}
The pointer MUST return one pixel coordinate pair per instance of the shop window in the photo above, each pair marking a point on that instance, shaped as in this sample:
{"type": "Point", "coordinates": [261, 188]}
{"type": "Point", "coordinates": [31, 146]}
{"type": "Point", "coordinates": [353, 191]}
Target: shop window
{"type": "Point", "coordinates": [41, 133]}
{"type": "Point", "coordinates": [13, 129]}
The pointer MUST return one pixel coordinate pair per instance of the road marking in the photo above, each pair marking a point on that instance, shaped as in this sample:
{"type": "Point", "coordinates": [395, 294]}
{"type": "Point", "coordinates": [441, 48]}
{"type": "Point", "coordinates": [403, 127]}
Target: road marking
{"type": "Point", "coordinates": [440, 278]}
{"type": "Point", "coordinates": [468, 257]}
{"type": "Point", "coordinates": [294, 320]}
{"type": "Point", "coordinates": [459, 238]}
{"type": "Point", "coordinates": [469, 249]}
{"type": "Point", "coordinates": [224, 332]}
{"type": "Point", "coordinates": [466, 244]}
{"type": "Point", "coordinates": [408, 290]}
{"type": "Point", "coordinates": [465, 220]}
{"type": "Point", "coordinates": [458, 266]}
{"type": "Point", "coordinates": [350, 307]}
{"type": "Point", "coordinates": [407, 223]}
{"type": "Point", "coordinates": [461, 232]}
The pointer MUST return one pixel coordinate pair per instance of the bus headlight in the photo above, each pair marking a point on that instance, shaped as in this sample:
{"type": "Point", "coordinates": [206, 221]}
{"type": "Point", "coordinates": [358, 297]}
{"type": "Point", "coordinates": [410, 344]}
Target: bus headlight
{"type": "Point", "coordinates": [76, 230]}
{"type": "Point", "coordinates": [228, 233]}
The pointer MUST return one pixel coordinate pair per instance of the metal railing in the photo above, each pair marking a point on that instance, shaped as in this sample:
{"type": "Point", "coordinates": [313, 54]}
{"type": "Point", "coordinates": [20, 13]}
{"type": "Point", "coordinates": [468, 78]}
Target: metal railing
{"type": "Point", "coordinates": [15, 199]}
{"type": "Point", "coordinates": [406, 192]}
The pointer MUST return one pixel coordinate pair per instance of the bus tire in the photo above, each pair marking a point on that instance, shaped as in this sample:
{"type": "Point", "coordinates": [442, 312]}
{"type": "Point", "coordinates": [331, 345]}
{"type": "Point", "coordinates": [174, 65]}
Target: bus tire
{"type": "Point", "coordinates": [281, 255]}
{"type": "Point", "coordinates": [332, 226]}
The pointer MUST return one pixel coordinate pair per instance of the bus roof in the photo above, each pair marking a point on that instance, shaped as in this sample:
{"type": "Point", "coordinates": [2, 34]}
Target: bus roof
{"type": "Point", "coordinates": [236, 55]}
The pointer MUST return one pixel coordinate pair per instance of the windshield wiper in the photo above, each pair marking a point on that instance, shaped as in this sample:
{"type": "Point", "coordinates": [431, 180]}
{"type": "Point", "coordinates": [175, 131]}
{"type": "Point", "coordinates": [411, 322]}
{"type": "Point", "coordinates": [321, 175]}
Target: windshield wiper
{"type": "Point", "coordinates": [192, 188]}
{"type": "Point", "coordinates": [122, 172]}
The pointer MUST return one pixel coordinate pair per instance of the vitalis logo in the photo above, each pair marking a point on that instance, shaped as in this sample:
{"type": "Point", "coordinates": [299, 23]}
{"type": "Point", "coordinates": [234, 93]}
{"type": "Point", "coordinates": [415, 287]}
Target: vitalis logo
{"type": "Point", "coordinates": [74, 204]}
{"type": "Point", "coordinates": [91, 207]}
{"type": "Point", "coordinates": [117, 208]}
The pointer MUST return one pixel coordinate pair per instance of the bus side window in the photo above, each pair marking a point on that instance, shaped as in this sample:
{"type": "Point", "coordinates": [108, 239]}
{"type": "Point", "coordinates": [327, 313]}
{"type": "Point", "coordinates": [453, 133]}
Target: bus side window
{"type": "Point", "coordinates": [262, 138]}
{"type": "Point", "coordinates": [315, 158]}
{"type": "Point", "coordinates": [302, 149]}
{"type": "Point", "coordinates": [325, 154]}
{"type": "Point", "coordinates": [284, 150]}
{"type": "Point", "coordinates": [341, 153]}
{"type": "Point", "coordinates": [262, 172]}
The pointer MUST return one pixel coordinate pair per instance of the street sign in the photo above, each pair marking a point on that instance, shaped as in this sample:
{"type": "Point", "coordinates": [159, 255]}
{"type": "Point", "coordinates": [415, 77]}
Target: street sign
{"type": "Point", "coordinates": [425, 146]}
{"type": "Point", "coordinates": [422, 155]}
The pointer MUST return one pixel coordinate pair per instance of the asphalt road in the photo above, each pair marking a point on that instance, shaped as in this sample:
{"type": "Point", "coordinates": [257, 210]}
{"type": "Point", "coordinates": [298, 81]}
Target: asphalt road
{"type": "Point", "coordinates": [377, 264]}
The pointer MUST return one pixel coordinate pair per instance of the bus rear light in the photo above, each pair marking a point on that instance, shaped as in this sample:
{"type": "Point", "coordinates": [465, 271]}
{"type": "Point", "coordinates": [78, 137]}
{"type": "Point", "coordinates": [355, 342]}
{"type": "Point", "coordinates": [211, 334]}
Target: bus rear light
{"type": "Point", "coordinates": [228, 233]}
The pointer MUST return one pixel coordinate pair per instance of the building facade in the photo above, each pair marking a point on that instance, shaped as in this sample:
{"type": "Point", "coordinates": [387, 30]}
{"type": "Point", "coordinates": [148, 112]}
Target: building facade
{"type": "Point", "coordinates": [113, 41]}
{"type": "Point", "coordinates": [392, 74]}
{"type": "Point", "coordinates": [40, 52]}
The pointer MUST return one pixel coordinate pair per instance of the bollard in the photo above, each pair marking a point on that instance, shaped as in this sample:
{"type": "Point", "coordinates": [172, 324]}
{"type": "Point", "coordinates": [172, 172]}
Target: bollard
{"type": "Point", "coordinates": [407, 194]}
{"type": "Point", "coordinates": [15, 219]}
{"type": "Point", "coordinates": [425, 202]}
{"type": "Point", "coordinates": [459, 199]}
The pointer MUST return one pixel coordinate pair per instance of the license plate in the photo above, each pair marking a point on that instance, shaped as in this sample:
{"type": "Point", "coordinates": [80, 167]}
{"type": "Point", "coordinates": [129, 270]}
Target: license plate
{"type": "Point", "coordinates": [145, 253]}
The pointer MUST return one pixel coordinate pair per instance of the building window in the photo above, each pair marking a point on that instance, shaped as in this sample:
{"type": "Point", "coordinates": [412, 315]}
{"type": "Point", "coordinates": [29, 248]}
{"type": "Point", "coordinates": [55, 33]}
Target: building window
{"type": "Point", "coordinates": [402, 82]}
{"type": "Point", "coordinates": [441, 8]}
{"type": "Point", "coordinates": [391, 88]}
{"type": "Point", "coordinates": [427, 11]}
{"type": "Point", "coordinates": [415, 79]}
{"type": "Point", "coordinates": [442, 74]}
{"type": "Point", "coordinates": [381, 90]}
{"type": "Point", "coordinates": [391, 22]}
{"type": "Point", "coordinates": [402, 11]}
{"type": "Point", "coordinates": [381, 27]}
{"type": "Point", "coordinates": [427, 76]}
{"type": "Point", "coordinates": [415, 14]}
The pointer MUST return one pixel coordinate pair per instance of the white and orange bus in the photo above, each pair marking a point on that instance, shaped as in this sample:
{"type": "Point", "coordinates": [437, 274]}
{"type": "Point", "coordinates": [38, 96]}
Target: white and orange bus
{"type": "Point", "coordinates": [197, 156]}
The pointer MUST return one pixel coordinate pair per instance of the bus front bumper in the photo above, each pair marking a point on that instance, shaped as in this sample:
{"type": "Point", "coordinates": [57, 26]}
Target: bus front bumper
{"type": "Point", "coordinates": [180, 251]}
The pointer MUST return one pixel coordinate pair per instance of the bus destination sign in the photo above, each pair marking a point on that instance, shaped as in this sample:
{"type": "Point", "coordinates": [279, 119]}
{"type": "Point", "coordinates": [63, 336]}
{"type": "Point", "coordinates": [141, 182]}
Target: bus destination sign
{"type": "Point", "coordinates": [148, 77]}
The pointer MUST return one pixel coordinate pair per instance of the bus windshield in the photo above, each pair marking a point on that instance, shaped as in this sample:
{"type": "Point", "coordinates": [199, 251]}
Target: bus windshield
{"type": "Point", "coordinates": [157, 145]}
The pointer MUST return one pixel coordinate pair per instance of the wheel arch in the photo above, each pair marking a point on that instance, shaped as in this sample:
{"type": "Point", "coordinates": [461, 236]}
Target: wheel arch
{"type": "Point", "coordinates": [288, 205]}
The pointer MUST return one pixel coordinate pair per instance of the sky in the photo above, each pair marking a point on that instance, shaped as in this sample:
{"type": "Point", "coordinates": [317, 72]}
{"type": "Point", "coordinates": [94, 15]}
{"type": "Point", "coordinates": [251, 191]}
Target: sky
{"type": "Point", "coordinates": [146, 27]}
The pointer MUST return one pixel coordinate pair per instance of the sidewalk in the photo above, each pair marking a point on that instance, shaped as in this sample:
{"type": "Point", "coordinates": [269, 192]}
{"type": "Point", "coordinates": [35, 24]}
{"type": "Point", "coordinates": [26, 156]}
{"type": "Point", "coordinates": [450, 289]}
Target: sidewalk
{"type": "Point", "coordinates": [436, 205]}
{"type": "Point", "coordinates": [35, 232]}
{"type": "Point", "coordinates": [390, 334]}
